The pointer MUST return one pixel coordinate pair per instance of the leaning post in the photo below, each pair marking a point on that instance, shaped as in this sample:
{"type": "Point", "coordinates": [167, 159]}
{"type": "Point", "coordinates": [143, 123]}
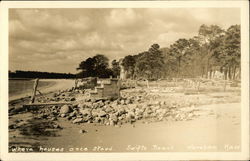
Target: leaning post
{"type": "Point", "coordinates": [76, 83]}
{"type": "Point", "coordinates": [34, 91]}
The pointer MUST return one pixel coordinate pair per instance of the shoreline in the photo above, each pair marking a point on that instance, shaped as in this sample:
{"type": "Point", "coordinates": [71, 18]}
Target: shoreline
{"type": "Point", "coordinates": [214, 132]}
{"type": "Point", "coordinates": [56, 85]}
{"type": "Point", "coordinates": [188, 123]}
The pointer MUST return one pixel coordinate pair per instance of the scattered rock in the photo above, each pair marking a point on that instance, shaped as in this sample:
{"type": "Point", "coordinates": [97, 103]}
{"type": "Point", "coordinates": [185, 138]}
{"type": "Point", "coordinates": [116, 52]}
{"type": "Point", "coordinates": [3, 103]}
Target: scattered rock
{"type": "Point", "coordinates": [53, 119]}
{"type": "Point", "coordinates": [127, 109]}
{"type": "Point", "coordinates": [77, 120]}
{"type": "Point", "coordinates": [69, 117]}
{"type": "Point", "coordinates": [64, 109]}
{"type": "Point", "coordinates": [12, 126]}
{"type": "Point", "coordinates": [56, 126]}
{"type": "Point", "coordinates": [122, 102]}
{"type": "Point", "coordinates": [63, 115]}
{"type": "Point", "coordinates": [82, 131]}
{"type": "Point", "coordinates": [73, 99]}
{"type": "Point", "coordinates": [85, 112]}
{"type": "Point", "coordinates": [102, 113]}
{"type": "Point", "coordinates": [72, 114]}
{"type": "Point", "coordinates": [54, 95]}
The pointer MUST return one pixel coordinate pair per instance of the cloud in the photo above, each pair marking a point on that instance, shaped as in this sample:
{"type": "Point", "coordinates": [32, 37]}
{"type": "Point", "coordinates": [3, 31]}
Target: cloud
{"type": "Point", "coordinates": [121, 18]}
{"type": "Point", "coordinates": [56, 40]}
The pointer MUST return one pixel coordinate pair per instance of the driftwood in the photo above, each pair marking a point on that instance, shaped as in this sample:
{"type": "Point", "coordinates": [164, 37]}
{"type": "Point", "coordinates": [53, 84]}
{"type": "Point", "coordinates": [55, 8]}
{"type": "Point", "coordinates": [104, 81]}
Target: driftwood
{"type": "Point", "coordinates": [47, 104]}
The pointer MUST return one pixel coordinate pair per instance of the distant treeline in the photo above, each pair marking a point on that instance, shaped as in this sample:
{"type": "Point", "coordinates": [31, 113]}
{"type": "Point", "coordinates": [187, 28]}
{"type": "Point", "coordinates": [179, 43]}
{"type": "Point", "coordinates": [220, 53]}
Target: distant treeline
{"type": "Point", "coordinates": [212, 52]}
{"type": "Point", "coordinates": [36, 74]}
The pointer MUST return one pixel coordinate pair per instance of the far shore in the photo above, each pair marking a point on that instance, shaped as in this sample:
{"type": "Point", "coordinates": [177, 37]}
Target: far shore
{"type": "Point", "coordinates": [58, 84]}
{"type": "Point", "coordinates": [40, 78]}
{"type": "Point", "coordinates": [21, 78]}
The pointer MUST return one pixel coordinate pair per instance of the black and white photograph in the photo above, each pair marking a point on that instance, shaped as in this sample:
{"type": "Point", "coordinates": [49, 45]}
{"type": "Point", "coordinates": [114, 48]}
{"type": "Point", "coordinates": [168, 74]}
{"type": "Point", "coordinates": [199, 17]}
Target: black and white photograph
{"type": "Point", "coordinates": [125, 80]}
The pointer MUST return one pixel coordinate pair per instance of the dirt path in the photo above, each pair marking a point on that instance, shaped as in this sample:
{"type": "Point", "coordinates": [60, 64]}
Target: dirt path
{"type": "Point", "coordinates": [216, 129]}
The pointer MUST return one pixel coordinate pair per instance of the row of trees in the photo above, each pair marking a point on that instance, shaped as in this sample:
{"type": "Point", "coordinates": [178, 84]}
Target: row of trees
{"type": "Point", "coordinates": [148, 64]}
{"type": "Point", "coordinates": [213, 49]}
{"type": "Point", "coordinates": [98, 66]}
{"type": "Point", "coordinates": [36, 74]}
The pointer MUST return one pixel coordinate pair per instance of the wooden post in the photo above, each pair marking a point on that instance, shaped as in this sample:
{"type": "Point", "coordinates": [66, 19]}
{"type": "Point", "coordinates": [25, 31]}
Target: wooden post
{"type": "Point", "coordinates": [225, 85]}
{"type": "Point", "coordinates": [147, 83]}
{"type": "Point", "coordinates": [34, 91]}
{"type": "Point", "coordinates": [198, 87]}
{"type": "Point", "coordinates": [76, 83]}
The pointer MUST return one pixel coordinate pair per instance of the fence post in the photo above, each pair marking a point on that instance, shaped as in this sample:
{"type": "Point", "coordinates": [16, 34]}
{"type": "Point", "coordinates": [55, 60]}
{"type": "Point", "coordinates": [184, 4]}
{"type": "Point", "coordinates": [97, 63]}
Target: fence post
{"type": "Point", "coordinates": [76, 83]}
{"type": "Point", "coordinates": [225, 85]}
{"type": "Point", "coordinates": [34, 91]}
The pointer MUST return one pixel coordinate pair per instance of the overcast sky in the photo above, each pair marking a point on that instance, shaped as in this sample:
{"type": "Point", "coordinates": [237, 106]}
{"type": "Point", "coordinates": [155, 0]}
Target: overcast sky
{"type": "Point", "coordinates": [57, 40]}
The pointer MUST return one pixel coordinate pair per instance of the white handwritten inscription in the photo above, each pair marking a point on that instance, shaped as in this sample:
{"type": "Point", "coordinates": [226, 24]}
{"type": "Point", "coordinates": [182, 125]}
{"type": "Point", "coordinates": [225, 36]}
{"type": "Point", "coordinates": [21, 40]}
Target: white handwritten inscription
{"type": "Point", "coordinates": [102, 149]}
{"type": "Point", "coordinates": [202, 147]}
{"type": "Point", "coordinates": [141, 148]}
{"type": "Point", "coordinates": [228, 147]}
{"type": "Point", "coordinates": [137, 148]}
{"type": "Point", "coordinates": [95, 149]}
{"type": "Point", "coordinates": [130, 148]}
{"type": "Point", "coordinates": [78, 149]}
{"type": "Point", "coordinates": [162, 148]}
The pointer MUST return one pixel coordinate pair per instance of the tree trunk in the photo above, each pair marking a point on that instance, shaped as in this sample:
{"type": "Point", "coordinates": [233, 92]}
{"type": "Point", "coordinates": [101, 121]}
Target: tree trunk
{"type": "Point", "coordinates": [213, 74]}
{"type": "Point", "coordinates": [239, 75]}
{"type": "Point", "coordinates": [234, 71]}
{"type": "Point", "coordinates": [225, 74]}
{"type": "Point", "coordinates": [179, 66]}
{"type": "Point", "coordinates": [229, 73]}
{"type": "Point", "coordinates": [224, 86]}
{"type": "Point", "coordinates": [210, 74]}
{"type": "Point", "coordinates": [208, 68]}
{"type": "Point", "coordinates": [202, 72]}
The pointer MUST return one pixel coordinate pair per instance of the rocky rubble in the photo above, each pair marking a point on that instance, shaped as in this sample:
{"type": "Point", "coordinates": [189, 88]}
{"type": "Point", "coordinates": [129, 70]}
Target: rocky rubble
{"type": "Point", "coordinates": [127, 109]}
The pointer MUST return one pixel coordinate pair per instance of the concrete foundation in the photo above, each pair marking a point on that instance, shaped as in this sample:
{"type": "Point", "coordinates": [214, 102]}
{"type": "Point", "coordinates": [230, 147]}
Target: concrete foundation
{"type": "Point", "coordinates": [107, 89]}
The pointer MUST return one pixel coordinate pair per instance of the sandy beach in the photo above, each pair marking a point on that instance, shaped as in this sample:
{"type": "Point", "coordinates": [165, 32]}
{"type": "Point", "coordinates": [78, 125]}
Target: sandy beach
{"type": "Point", "coordinates": [214, 127]}
{"type": "Point", "coordinates": [217, 129]}
{"type": "Point", "coordinates": [206, 133]}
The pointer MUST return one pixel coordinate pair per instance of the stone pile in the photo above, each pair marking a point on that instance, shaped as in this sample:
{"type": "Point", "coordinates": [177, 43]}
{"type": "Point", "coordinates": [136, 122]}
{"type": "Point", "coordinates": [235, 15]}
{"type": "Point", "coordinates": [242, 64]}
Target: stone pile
{"type": "Point", "coordinates": [59, 96]}
{"type": "Point", "coordinates": [127, 109]}
{"type": "Point", "coordinates": [135, 104]}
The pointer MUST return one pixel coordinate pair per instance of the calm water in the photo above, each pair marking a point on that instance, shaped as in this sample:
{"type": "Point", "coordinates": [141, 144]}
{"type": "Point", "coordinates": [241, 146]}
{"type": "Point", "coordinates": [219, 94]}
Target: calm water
{"type": "Point", "coordinates": [17, 87]}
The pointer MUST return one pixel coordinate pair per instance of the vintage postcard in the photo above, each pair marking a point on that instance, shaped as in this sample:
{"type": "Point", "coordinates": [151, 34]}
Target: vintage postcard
{"type": "Point", "coordinates": [155, 80]}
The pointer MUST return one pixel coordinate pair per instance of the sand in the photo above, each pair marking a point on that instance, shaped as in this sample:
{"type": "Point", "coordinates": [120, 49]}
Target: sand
{"type": "Point", "coordinates": [208, 133]}
{"type": "Point", "coordinates": [216, 129]}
